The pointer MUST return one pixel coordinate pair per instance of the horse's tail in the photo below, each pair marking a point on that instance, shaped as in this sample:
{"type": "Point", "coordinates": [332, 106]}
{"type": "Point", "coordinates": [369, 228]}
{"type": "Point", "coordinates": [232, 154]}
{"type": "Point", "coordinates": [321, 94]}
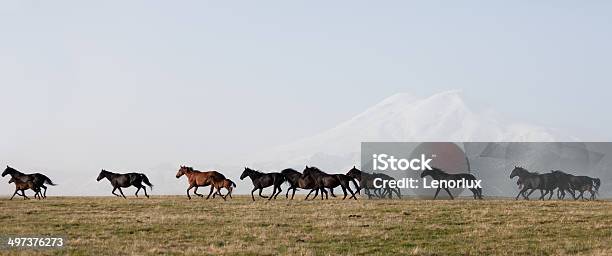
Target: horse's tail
{"type": "Point", "coordinates": [48, 181]}
{"type": "Point", "coordinates": [146, 180]}
{"type": "Point", "coordinates": [596, 184]}
{"type": "Point", "coordinates": [233, 184]}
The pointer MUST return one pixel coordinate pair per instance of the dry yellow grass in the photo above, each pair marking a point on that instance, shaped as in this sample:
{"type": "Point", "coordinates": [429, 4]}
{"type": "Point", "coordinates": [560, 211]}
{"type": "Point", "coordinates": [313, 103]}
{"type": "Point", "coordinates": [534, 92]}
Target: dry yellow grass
{"type": "Point", "coordinates": [174, 225]}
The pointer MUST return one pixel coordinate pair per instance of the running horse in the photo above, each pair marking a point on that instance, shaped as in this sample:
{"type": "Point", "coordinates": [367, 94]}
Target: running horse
{"type": "Point", "coordinates": [23, 185]}
{"type": "Point", "coordinates": [119, 181]}
{"type": "Point", "coordinates": [229, 185]}
{"type": "Point", "coordinates": [262, 180]}
{"type": "Point", "coordinates": [38, 180]}
{"type": "Point", "coordinates": [438, 174]}
{"type": "Point", "coordinates": [197, 179]}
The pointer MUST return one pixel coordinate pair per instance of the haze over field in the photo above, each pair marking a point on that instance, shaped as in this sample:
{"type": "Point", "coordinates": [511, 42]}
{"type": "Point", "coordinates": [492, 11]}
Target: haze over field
{"type": "Point", "coordinates": [278, 84]}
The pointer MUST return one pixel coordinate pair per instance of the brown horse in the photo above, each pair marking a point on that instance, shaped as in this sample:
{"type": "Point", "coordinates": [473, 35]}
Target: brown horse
{"type": "Point", "coordinates": [23, 185]}
{"type": "Point", "coordinates": [229, 185]}
{"type": "Point", "coordinates": [197, 179]}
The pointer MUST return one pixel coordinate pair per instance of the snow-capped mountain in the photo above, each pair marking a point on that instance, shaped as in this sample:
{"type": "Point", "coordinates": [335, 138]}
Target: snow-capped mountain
{"type": "Point", "coordinates": [403, 117]}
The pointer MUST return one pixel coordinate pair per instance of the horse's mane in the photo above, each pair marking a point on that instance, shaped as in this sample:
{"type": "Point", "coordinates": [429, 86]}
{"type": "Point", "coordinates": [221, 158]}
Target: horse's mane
{"type": "Point", "coordinates": [189, 168]}
{"type": "Point", "coordinates": [523, 169]}
{"type": "Point", "coordinates": [313, 168]}
{"type": "Point", "coordinates": [14, 170]}
{"type": "Point", "coordinates": [437, 170]}
{"type": "Point", "coordinates": [255, 171]}
{"type": "Point", "coordinates": [105, 171]}
{"type": "Point", "coordinates": [290, 170]}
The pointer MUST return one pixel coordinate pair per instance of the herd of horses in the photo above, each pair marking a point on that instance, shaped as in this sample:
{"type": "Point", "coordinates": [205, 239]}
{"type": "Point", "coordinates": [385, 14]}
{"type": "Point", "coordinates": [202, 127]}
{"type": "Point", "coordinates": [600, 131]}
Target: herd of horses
{"type": "Point", "coordinates": [317, 181]}
{"type": "Point", "coordinates": [548, 182]}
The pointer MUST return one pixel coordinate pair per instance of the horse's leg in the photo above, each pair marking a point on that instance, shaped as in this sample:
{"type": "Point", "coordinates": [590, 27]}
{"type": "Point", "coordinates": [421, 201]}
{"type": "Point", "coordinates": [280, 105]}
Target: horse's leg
{"type": "Point", "coordinates": [306, 195]}
{"type": "Point", "coordinates": [212, 188]}
{"type": "Point", "coordinates": [221, 195]}
{"type": "Point", "coordinates": [45, 192]}
{"type": "Point", "coordinates": [278, 192]}
{"type": "Point", "coordinates": [14, 194]}
{"type": "Point", "coordinates": [331, 190]}
{"type": "Point", "coordinates": [195, 191]}
{"type": "Point", "coordinates": [145, 191]}
{"type": "Point", "coordinates": [188, 188]}
{"type": "Point", "coordinates": [449, 193]}
{"type": "Point", "coordinates": [324, 191]}
{"type": "Point", "coordinates": [520, 193]}
{"type": "Point", "coordinates": [273, 192]}
{"type": "Point", "coordinates": [287, 195]}
{"type": "Point", "coordinates": [542, 194]}
{"type": "Point", "coordinates": [115, 188]}
{"type": "Point", "coordinates": [368, 193]}
{"type": "Point", "coordinates": [398, 193]}
{"type": "Point", "coordinates": [351, 191]}
{"type": "Point", "coordinates": [121, 191]}
{"type": "Point", "coordinates": [229, 192]}
{"type": "Point", "coordinates": [24, 195]}
{"type": "Point", "coordinates": [293, 193]}
{"type": "Point", "coordinates": [528, 194]}
{"type": "Point", "coordinates": [261, 190]}
{"type": "Point", "coordinates": [436, 195]}
{"type": "Point", "coordinates": [253, 191]}
{"type": "Point", "coordinates": [344, 191]}
{"type": "Point", "coordinates": [137, 189]}
{"type": "Point", "coordinates": [551, 194]}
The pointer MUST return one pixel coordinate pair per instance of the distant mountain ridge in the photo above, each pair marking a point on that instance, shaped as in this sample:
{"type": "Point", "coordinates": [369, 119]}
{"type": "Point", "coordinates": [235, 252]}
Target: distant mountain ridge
{"type": "Point", "coordinates": [403, 117]}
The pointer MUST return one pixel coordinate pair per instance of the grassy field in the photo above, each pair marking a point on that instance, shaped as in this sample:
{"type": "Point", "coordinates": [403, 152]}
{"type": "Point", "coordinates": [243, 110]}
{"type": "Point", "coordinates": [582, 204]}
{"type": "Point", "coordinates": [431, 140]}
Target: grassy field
{"type": "Point", "coordinates": [174, 225]}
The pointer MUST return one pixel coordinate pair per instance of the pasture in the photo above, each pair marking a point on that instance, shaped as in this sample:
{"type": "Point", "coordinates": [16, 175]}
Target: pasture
{"type": "Point", "coordinates": [174, 225]}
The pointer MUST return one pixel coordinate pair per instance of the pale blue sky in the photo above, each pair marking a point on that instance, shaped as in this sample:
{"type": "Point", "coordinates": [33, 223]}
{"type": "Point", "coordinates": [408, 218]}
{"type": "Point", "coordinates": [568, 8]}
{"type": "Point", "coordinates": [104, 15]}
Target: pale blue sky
{"type": "Point", "coordinates": [126, 82]}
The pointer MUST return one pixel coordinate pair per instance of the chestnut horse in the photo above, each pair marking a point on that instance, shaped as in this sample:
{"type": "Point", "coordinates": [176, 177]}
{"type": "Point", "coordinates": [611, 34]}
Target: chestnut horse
{"type": "Point", "coordinates": [229, 185]}
{"type": "Point", "coordinates": [197, 179]}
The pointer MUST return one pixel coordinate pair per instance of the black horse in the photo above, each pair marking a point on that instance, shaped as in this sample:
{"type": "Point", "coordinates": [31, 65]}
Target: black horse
{"type": "Point", "coordinates": [387, 191]}
{"type": "Point", "coordinates": [563, 184]}
{"type": "Point", "coordinates": [366, 182]}
{"type": "Point", "coordinates": [38, 180]}
{"type": "Point", "coordinates": [330, 181]}
{"type": "Point", "coordinates": [438, 174]}
{"type": "Point", "coordinates": [298, 180]}
{"type": "Point", "coordinates": [119, 181]}
{"type": "Point", "coordinates": [263, 180]}
{"type": "Point", "coordinates": [546, 182]}
{"type": "Point", "coordinates": [582, 184]}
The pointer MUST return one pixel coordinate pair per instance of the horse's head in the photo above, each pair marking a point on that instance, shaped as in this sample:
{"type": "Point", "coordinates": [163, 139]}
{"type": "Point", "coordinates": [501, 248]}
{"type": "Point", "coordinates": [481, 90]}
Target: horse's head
{"type": "Point", "coordinates": [182, 171]}
{"type": "Point", "coordinates": [430, 172]}
{"type": "Point", "coordinates": [12, 180]}
{"type": "Point", "coordinates": [517, 171]}
{"type": "Point", "coordinates": [311, 170]}
{"type": "Point", "coordinates": [354, 173]}
{"type": "Point", "coordinates": [426, 172]}
{"type": "Point", "coordinates": [247, 171]}
{"type": "Point", "coordinates": [7, 171]}
{"type": "Point", "coordinates": [102, 175]}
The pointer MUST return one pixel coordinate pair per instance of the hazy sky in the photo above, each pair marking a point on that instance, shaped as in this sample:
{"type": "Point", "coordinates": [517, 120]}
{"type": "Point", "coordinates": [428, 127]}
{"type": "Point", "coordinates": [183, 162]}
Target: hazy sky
{"type": "Point", "coordinates": [129, 84]}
